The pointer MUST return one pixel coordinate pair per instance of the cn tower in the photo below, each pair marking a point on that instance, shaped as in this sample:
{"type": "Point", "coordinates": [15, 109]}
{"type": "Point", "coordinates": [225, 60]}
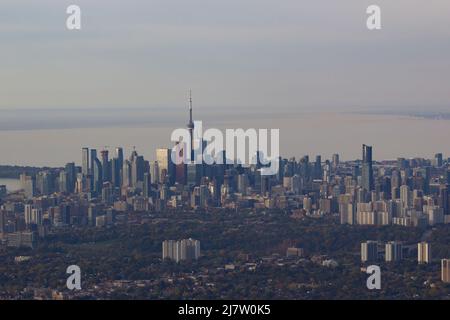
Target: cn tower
{"type": "Point", "coordinates": [190, 126]}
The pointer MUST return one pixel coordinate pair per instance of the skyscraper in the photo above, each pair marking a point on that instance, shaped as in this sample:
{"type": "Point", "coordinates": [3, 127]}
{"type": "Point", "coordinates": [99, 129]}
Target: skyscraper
{"type": "Point", "coordinates": [85, 161]}
{"type": "Point", "coordinates": [2, 221]}
{"type": "Point", "coordinates": [116, 168]}
{"type": "Point", "coordinates": [154, 172]}
{"type": "Point", "coordinates": [195, 172]}
{"type": "Point", "coordinates": [97, 177]}
{"type": "Point", "coordinates": [92, 160]}
{"type": "Point", "coordinates": [146, 191]}
{"type": "Point", "coordinates": [438, 159]}
{"type": "Point", "coordinates": [137, 171]}
{"type": "Point", "coordinates": [335, 160]}
{"type": "Point", "coordinates": [443, 199]}
{"type": "Point", "coordinates": [63, 182]}
{"type": "Point", "coordinates": [318, 168]}
{"type": "Point", "coordinates": [119, 156]}
{"type": "Point", "coordinates": [126, 174]}
{"type": "Point", "coordinates": [71, 172]}
{"type": "Point", "coordinates": [181, 166]}
{"type": "Point", "coordinates": [3, 191]}
{"type": "Point", "coordinates": [28, 185]}
{"type": "Point", "coordinates": [105, 166]}
{"type": "Point", "coordinates": [163, 156]}
{"type": "Point", "coordinates": [44, 182]}
{"type": "Point", "coordinates": [367, 170]}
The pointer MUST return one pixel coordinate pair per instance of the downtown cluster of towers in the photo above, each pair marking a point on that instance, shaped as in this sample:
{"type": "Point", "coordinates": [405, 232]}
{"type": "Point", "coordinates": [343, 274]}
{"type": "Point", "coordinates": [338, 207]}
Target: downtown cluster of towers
{"type": "Point", "coordinates": [406, 191]}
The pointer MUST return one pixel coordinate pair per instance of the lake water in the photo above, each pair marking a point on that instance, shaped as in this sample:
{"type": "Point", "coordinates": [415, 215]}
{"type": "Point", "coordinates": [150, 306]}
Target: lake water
{"type": "Point", "coordinates": [59, 138]}
{"type": "Point", "coordinates": [11, 184]}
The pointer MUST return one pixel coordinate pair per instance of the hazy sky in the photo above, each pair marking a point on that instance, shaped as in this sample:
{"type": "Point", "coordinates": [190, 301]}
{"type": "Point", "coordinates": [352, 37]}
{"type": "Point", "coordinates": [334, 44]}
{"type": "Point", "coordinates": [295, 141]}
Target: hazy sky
{"type": "Point", "coordinates": [250, 53]}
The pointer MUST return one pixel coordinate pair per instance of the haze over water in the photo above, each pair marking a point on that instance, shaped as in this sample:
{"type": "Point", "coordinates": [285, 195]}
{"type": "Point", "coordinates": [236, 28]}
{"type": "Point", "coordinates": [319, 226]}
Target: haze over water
{"type": "Point", "coordinates": [54, 137]}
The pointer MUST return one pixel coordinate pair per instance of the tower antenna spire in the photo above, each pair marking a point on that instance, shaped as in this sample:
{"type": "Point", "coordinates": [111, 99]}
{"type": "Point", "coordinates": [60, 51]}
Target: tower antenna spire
{"type": "Point", "coordinates": [191, 123]}
{"type": "Point", "coordinates": [190, 106]}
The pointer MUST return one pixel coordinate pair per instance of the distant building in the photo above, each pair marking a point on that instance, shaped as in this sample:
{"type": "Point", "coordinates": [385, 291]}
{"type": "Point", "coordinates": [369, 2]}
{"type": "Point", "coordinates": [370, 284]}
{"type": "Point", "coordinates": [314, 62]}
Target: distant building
{"type": "Point", "coordinates": [100, 221]}
{"type": "Point", "coordinates": [393, 251]}
{"type": "Point", "coordinates": [154, 172]}
{"type": "Point", "coordinates": [28, 185]}
{"type": "Point", "coordinates": [346, 209]}
{"type": "Point", "coordinates": [85, 161]}
{"type": "Point", "coordinates": [137, 171]}
{"type": "Point", "coordinates": [435, 214]}
{"type": "Point", "coordinates": [186, 249]}
{"type": "Point", "coordinates": [28, 214]}
{"type": "Point", "coordinates": [21, 239]}
{"type": "Point", "coordinates": [97, 181]}
{"type": "Point", "coordinates": [2, 221]}
{"type": "Point", "coordinates": [405, 196]}
{"type": "Point", "coordinates": [37, 216]}
{"type": "Point", "coordinates": [3, 191]}
{"type": "Point", "coordinates": [104, 155]}
{"type": "Point", "coordinates": [367, 170]}
{"type": "Point", "coordinates": [146, 189]}
{"type": "Point", "coordinates": [163, 157]}
{"type": "Point", "coordinates": [369, 251]}
{"type": "Point", "coordinates": [168, 249]}
{"type": "Point", "coordinates": [294, 252]}
{"type": "Point", "coordinates": [445, 270]}
{"type": "Point", "coordinates": [423, 252]}
{"type": "Point", "coordinates": [93, 156]}
{"type": "Point", "coordinates": [438, 159]}
{"type": "Point", "coordinates": [335, 161]}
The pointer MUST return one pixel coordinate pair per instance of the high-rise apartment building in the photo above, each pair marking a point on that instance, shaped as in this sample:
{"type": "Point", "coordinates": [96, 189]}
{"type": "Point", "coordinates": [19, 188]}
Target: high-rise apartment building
{"type": "Point", "coordinates": [393, 251]}
{"type": "Point", "coordinates": [369, 251]}
{"type": "Point", "coordinates": [186, 249]}
{"type": "Point", "coordinates": [445, 270]}
{"type": "Point", "coordinates": [423, 252]}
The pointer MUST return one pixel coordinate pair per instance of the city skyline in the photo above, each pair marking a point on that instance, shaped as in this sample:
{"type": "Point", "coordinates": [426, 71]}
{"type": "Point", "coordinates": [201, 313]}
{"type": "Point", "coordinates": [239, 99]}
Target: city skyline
{"type": "Point", "coordinates": [243, 151]}
{"type": "Point", "coordinates": [404, 204]}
